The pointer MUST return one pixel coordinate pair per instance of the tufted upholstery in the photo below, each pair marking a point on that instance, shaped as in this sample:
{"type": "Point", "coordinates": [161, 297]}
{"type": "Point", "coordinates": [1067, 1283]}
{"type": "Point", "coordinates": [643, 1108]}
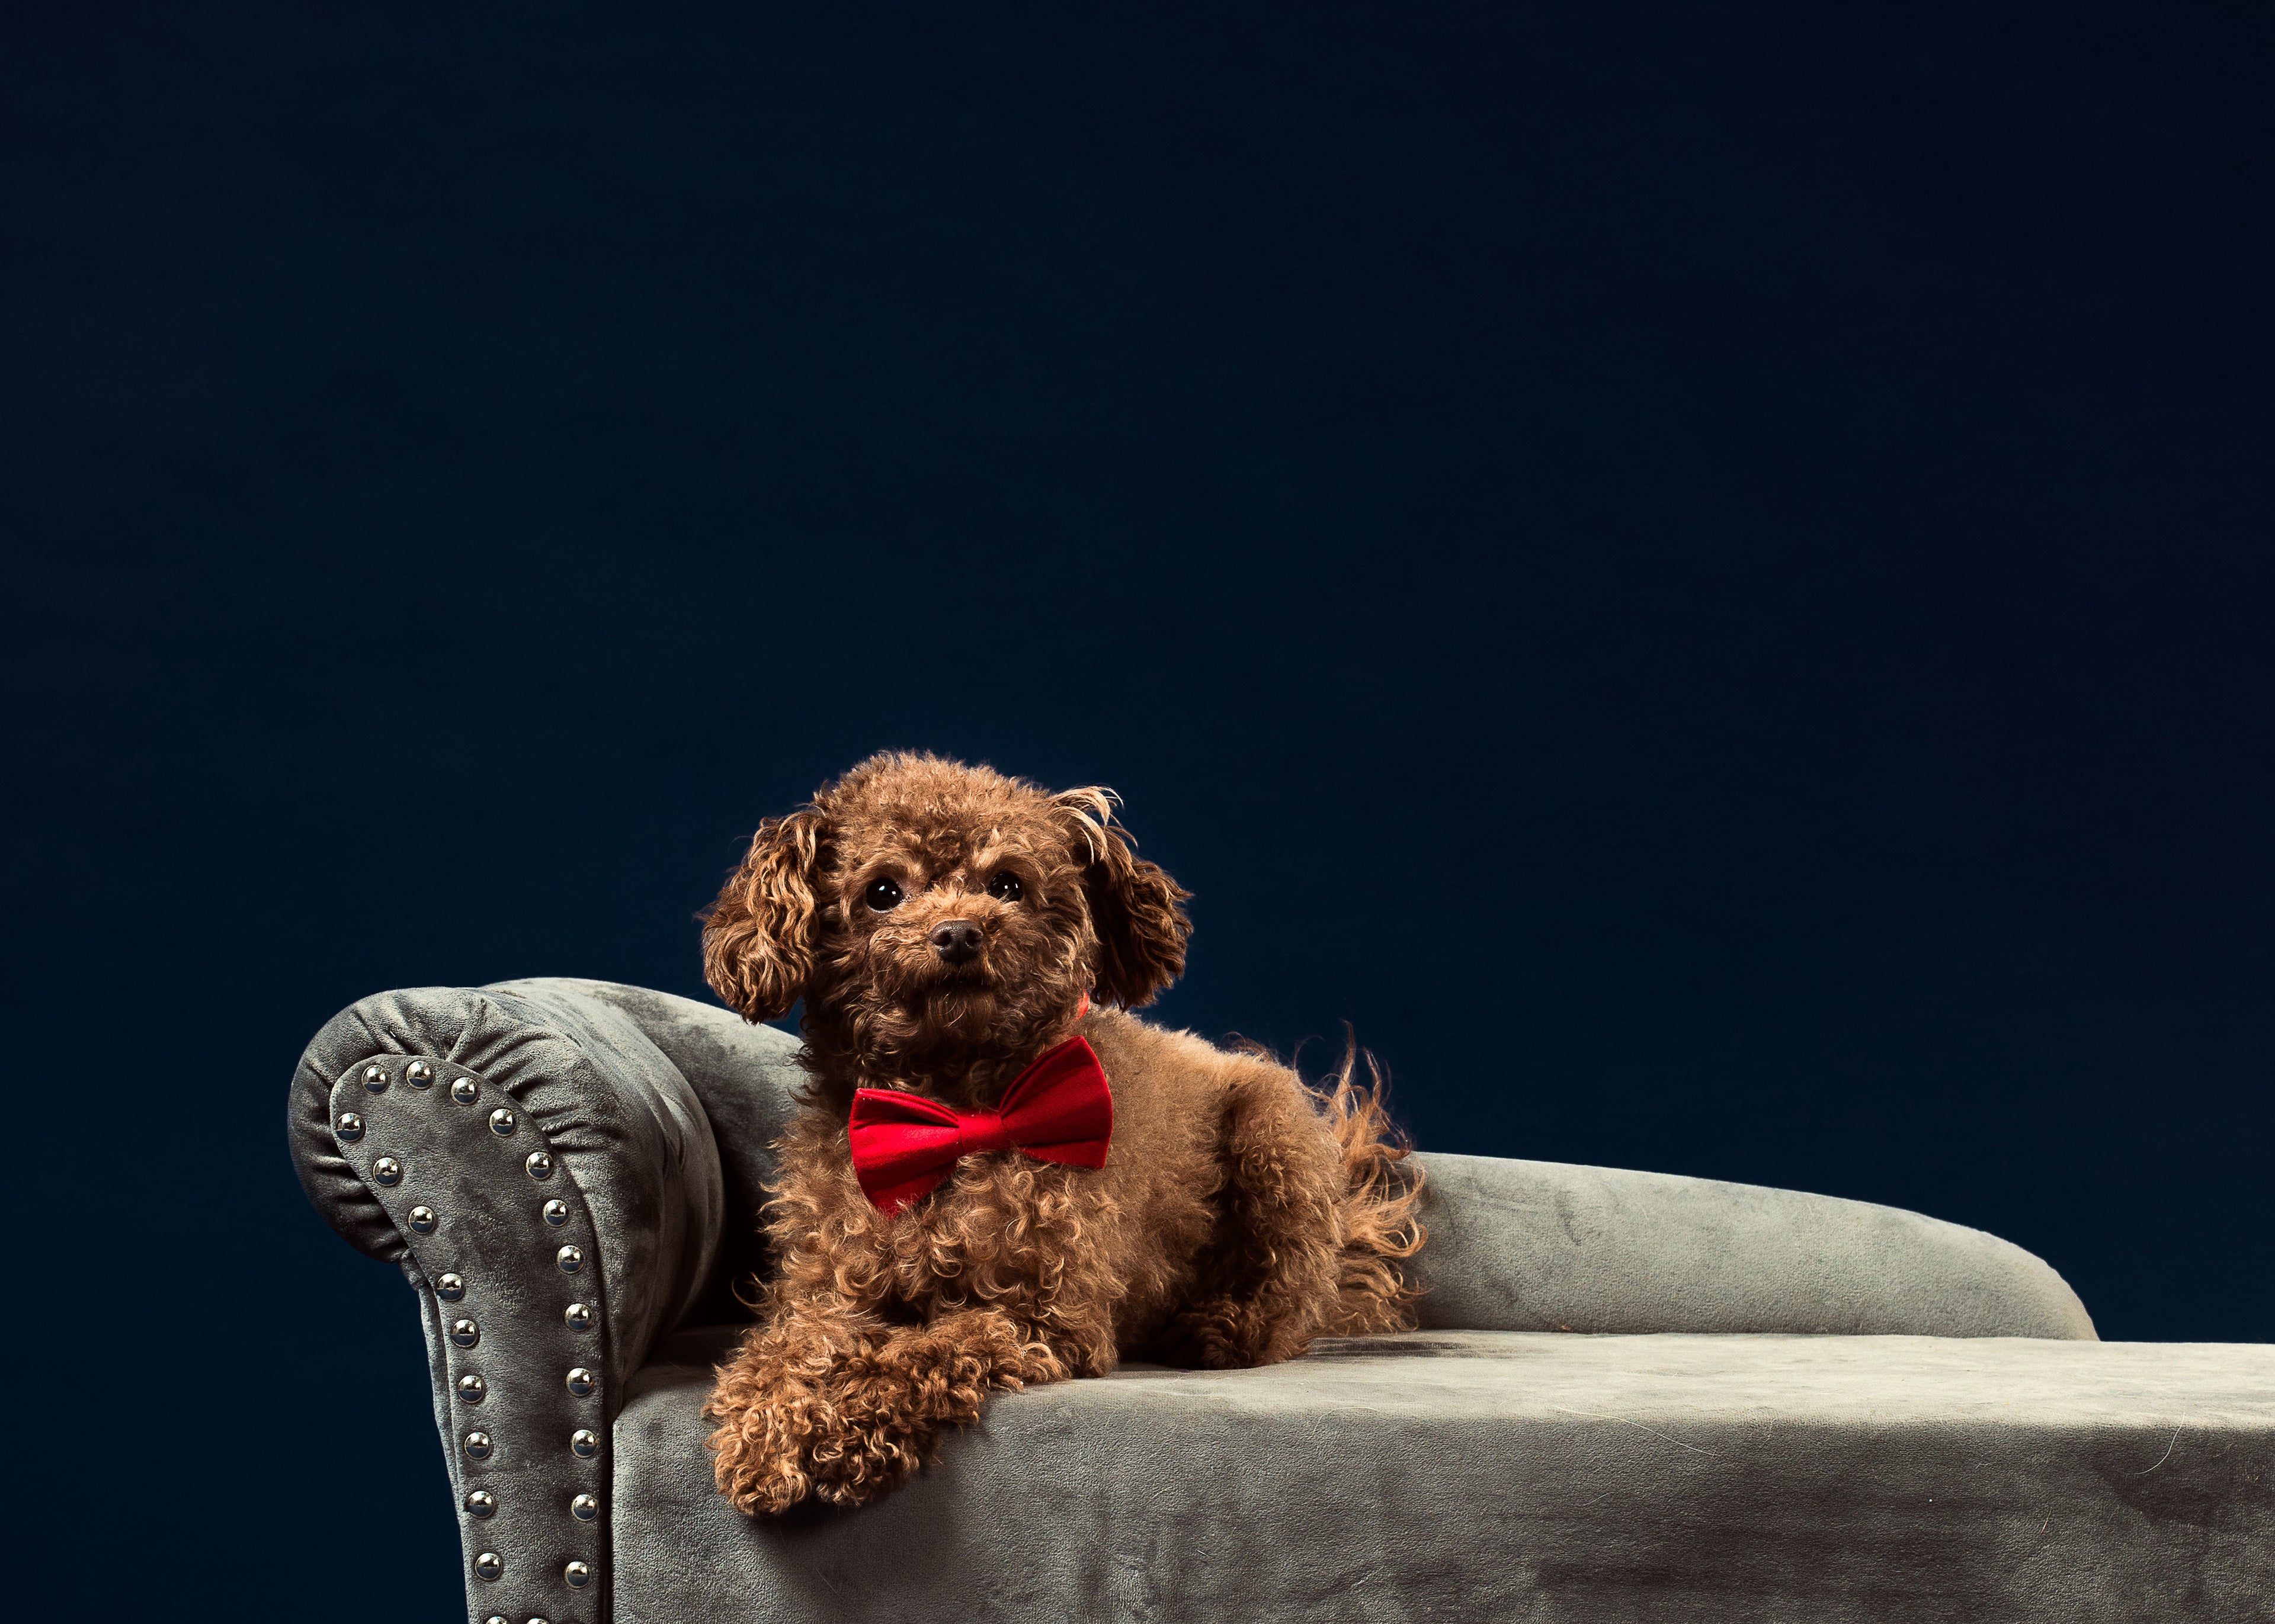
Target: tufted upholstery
{"type": "Point", "coordinates": [1848, 1412]}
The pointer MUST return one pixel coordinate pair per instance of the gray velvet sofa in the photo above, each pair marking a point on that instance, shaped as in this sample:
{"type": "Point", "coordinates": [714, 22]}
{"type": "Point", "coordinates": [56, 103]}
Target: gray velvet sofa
{"type": "Point", "coordinates": [1776, 1406]}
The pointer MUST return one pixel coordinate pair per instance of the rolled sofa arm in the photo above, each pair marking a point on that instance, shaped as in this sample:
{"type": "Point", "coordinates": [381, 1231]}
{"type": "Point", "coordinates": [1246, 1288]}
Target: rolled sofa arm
{"type": "Point", "coordinates": [548, 1183]}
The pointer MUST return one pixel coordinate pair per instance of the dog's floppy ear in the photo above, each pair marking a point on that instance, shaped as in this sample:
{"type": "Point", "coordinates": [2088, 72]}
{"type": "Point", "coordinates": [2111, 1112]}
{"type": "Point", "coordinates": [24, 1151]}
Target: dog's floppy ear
{"type": "Point", "coordinates": [759, 937]}
{"type": "Point", "coordinates": [1133, 906]}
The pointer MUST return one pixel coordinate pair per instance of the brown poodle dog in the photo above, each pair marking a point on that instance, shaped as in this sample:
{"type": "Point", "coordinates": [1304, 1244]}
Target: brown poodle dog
{"type": "Point", "coordinates": [947, 926]}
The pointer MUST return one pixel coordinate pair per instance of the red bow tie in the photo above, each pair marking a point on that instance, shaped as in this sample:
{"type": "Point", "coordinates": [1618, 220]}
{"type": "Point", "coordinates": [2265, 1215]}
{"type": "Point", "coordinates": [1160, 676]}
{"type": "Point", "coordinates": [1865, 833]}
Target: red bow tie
{"type": "Point", "coordinates": [1058, 1109]}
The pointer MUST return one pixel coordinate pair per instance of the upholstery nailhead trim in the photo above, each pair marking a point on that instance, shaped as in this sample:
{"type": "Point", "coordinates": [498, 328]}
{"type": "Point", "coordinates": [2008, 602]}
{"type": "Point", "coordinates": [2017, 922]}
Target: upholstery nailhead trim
{"type": "Point", "coordinates": [447, 1180]}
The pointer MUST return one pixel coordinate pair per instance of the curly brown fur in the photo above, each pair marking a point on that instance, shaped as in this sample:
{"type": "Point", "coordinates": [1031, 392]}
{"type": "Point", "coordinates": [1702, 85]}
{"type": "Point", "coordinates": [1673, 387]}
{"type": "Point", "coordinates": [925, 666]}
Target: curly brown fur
{"type": "Point", "coordinates": [1239, 1215]}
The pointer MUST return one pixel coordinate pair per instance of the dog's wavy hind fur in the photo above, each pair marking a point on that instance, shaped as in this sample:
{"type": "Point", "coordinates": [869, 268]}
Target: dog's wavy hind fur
{"type": "Point", "coordinates": [1240, 1213]}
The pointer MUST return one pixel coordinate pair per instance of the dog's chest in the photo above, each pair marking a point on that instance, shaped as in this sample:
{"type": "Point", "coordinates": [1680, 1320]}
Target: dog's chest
{"type": "Point", "coordinates": [1003, 1227]}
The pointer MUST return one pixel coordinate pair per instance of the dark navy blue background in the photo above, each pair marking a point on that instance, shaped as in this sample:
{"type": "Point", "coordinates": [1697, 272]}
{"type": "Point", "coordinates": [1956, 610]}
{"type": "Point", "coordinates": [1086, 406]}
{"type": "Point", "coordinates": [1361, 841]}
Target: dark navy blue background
{"type": "Point", "coordinates": [1699, 572]}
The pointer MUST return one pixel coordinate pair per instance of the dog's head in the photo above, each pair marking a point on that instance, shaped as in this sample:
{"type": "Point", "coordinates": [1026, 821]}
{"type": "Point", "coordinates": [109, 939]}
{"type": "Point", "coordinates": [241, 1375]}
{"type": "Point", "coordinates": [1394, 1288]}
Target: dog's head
{"type": "Point", "coordinates": [933, 915]}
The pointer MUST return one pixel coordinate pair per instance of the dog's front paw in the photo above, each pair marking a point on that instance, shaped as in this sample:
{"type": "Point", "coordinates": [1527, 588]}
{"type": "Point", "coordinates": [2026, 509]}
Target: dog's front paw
{"type": "Point", "coordinates": [850, 1428]}
{"type": "Point", "coordinates": [855, 1463]}
{"type": "Point", "coordinates": [759, 1457]}
{"type": "Point", "coordinates": [885, 1415]}
{"type": "Point", "coordinates": [845, 1439]}
{"type": "Point", "coordinates": [772, 1416]}
{"type": "Point", "coordinates": [847, 1449]}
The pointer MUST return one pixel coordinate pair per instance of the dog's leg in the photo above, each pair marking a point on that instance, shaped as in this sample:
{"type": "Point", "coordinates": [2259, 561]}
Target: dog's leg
{"type": "Point", "coordinates": [845, 1408]}
{"type": "Point", "coordinates": [820, 1324]}
{"type": "Point", "coordinates": [1264, 1292]}
{"type": "Point", "coordinates": [774, 1398]}
{"type": "Point", "coordinates": [888, 1410]}
{"type": "Point", "coordinates": [831, 1396]}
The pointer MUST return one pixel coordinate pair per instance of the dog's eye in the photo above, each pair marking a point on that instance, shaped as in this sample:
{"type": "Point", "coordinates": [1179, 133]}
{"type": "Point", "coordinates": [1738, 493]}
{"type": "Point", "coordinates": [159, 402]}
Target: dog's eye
{"type": "Point", "coordinates": [884, 895]}
{"type": "Point", "coordinates": [1004, 888]}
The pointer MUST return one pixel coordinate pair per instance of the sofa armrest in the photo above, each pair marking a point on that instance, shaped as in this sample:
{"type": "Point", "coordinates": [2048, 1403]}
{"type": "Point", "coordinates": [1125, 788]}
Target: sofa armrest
{"type": "Point", "coordinates": [548, 1183]}
{"type": "Point", "coordinates": [750, 1086]}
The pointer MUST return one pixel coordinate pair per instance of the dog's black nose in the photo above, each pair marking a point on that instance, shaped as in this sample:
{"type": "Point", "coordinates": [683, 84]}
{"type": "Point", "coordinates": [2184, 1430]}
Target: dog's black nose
{"type": "Point", "coordinates": [957, 940]}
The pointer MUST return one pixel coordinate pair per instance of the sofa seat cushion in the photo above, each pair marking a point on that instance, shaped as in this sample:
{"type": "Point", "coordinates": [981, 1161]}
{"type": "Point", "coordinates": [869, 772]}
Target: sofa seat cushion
{"type": "Point", "coordinates": [1505, 1474]}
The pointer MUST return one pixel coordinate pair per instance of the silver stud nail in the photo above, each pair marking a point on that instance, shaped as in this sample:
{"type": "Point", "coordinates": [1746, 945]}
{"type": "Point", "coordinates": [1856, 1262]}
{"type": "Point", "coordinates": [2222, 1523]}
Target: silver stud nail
{"type": "Point", "coordinates": [584, 1443]}
{"type": "Point", "coordinates": [351, 1127]}
{"type": "Point", "coordinates": [374, 1079]}
{"type": "Point", "coordinates": [537, 1622]}
{"type": "Point", "coordinates": [497, 1618]}
{"type": "Point", "coordinates": [473, 1389]}
{"type": "Point", "coordinates": [570, 1258]}
{"type": "Point", "coordinates": [482, 1503]}
{"type": "Point", "coordinates": [418, 1074]}
{"type": "Point", "coordinates": [478, 1446]}
{"type": "Point", "coordinates": [489, 1564]}
{"type": "Point", "coordinates": [388, 1170]}
{"type": "Point", "coordinates": [577, 1574]}
{"type": "Point", "coordinates": [464, 1333]}
{"type": "Point", "coordinates": [501, 1122]}
{"type": "Point", "coordinates": [578, 1316]}
{"type": "Point", "coordinates": [539, 1165]}
{"type": "Point", "coordinates": [465, 1090]}
{"type": "Point", "coordinates": [450, 1287]}
{"type": "Point", "coordinates": [582, 1381]}
{"type": "Point", "coordinates": [423, 1218]}
{"type": "Point", "coordinates": [584, 1508]}
{"type": "Point", "coordinates": [557, 1213]}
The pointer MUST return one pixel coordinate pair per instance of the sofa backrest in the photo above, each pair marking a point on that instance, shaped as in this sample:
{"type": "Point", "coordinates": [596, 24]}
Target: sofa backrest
{"type": "Point", "coordinates": [1535, 1245]}
{"type": "Point", "coordinates": [1514, 1245]}
{"type": "Point", "coordinates": [1546, 1246]}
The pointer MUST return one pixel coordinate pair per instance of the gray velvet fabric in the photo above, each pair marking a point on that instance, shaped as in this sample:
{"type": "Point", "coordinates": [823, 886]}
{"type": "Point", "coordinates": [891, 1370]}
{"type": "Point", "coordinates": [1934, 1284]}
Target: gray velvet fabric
{"type": "Point", "coordinates": [632, 1136]}
{"type": "Point", "coordinates": [519, 1344]}
{"type": "Point", "coordinates": [746, 1077]}
{"type": "Point", "coordinates": [1492, 1474]}
{"type": "Point", "coordinates": [1542, 1246]}
{"type": "Point", "coordinates": [1478, 1470]}
{"type": "Point", "coordinates": [1515, 1245]}
{"type": "Point", "coordinates": [642, 1200]}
